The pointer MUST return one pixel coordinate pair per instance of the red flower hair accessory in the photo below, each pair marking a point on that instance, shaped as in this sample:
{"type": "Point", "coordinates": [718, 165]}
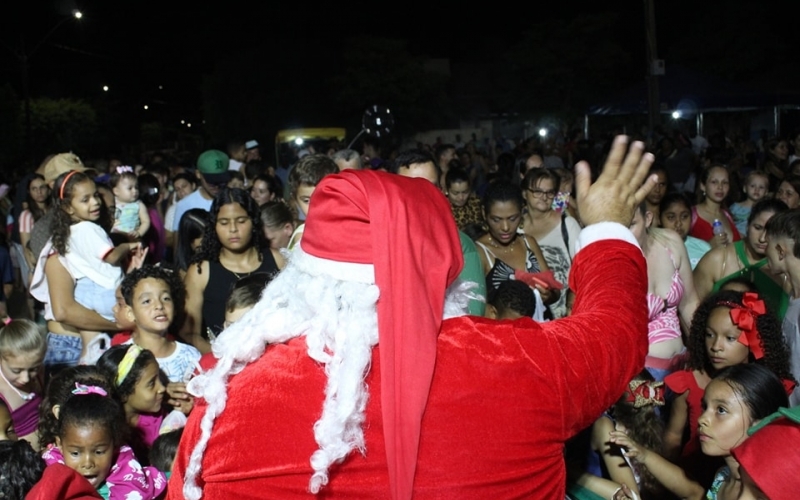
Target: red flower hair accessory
{"type": "Point", "coordinates": [644, 393]}
{"type": "Point", "coordinates": [744, 316]}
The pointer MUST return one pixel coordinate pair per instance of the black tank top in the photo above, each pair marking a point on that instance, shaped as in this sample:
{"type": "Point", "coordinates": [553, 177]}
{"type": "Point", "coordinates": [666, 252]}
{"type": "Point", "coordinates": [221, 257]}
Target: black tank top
{"type": "Point", "coordinates": [218, 289]}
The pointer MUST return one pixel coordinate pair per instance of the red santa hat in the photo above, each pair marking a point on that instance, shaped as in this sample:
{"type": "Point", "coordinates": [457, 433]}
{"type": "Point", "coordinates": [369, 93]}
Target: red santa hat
{"type": "Point", "coordinates": [403, 228]}
{"type": "Point", "coordinates": [771, 456]}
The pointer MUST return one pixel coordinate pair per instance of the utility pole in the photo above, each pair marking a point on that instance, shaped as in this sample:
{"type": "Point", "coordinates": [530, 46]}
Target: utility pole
{"type": "Point", "coordinates": [655, 66]}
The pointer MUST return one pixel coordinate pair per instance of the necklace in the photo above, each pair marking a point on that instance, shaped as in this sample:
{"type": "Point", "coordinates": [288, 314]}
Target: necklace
{"type": "Point", "coordinates": [25, 397]}
{"type": "Point", "coordinates": [505, 248]}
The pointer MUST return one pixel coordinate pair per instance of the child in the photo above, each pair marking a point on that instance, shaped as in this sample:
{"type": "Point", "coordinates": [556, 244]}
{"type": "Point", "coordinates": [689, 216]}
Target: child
{"type": "Point", "coordinates": [738, 397]}
{"type": "Point", "coordinates": [728, 328]}
{"type": "Point", "coordinates": [303, 180]}
{"type": "Point", "coordinates": [244, 296]}
{"type": "Point", "coordinates": [7, 432]}
{"type": "Point", "coordinates": [512, 300]}
{"type": "Point", "coordinates": [22, 350]}
{"type": "Point", "coordinates": [138, 388]}
{"type": "Point", "coordinates": [164, 449]}
{"type": "Point", "coordinates": [90, 439]}
{"type": "Point", "coordinates": [20, 468]}
{"type": "Point", "coordinates": [89, 255]}
{"type": "Point", "coordinates": [636, 412]}
{"type": "Point", "coordinates": [131, 216]}
{"type": "Point", "coordinates": [756, 186]}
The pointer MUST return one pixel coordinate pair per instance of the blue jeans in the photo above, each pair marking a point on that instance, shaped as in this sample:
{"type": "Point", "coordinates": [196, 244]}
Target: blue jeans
{"type": "Point", "coordinates": [62, 351]}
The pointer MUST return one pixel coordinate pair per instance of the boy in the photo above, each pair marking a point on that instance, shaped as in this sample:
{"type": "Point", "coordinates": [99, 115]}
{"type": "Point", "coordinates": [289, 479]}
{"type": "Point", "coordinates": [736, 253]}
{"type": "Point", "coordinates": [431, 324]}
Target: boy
{"type": "Point", "coordinates": [303, 180]}
{"type": "Point", "coordinates": [152, 295]}
{"type": "Point", "coordinates": [512, 300]}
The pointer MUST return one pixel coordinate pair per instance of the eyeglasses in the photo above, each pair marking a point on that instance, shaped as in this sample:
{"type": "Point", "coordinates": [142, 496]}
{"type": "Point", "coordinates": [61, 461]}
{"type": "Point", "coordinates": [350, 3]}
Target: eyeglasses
{"type": "Point", "coordinates": [538, 193]}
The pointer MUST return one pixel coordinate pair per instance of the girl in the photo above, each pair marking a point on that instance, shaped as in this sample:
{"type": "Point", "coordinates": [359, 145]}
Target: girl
{"type": "Point", "coordinates": [675, 212]}
{"type": "Point", "coordinates": [265, 189]}
{"type": "Point", "coordinates": [714, 187]}
{"type": "Point", "coordinates": [138, 388]}
{"type": "Point", "coordinates": [189, 237]}
{"type": "Point", "coordinates": [735, 399]}
{"type": "Point", "coordinates": [38, 203]}
{"type": "Point", "coordinates": [22, 349]}
{"type": "Point", "coordinates": [636, 412]}
{"type": "Point", "coordinates": [90, 436]}
{"type": "Point", "coordinates": [131, 216]}
{"type": "Point", "coordinates": [555, 232]}
{"type": "Point", "coordinates": [88, 253]}
{"type": "Point", "coordinates": [654, 197]}
{"type": "Point", "coordinates": [671, 296]}
{"type": "Point", "coordinates": [278, 223]}
{"type": "Point", "coordinates": [746, 258]}
{"type": "Point", "coordinates": [756, 186]}
{"type": "Point", "coordinates": [155, 239]}
{"type": "Point", "coordinates": [466, 207]}
{"type": "Point", "coordinates": [231, 249]}
{"type": "Point", "coordinates": [729, 328]}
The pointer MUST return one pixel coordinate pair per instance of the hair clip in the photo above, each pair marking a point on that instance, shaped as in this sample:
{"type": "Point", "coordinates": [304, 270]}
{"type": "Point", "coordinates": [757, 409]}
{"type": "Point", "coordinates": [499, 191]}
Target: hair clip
{"type": "Point", "coordinates": [82, 390]}
{"type": "Point", "coordinates": [123, 169]}
{"type": "Point", "coordinates": [745, 317]}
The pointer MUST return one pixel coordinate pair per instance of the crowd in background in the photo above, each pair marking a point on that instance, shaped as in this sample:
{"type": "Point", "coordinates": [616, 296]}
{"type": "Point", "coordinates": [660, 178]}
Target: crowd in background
{"type": "Point", "coordinates": [118, 274]}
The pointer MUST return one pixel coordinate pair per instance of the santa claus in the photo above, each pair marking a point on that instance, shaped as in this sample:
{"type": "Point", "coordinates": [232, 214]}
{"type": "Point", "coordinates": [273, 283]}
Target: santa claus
{"type": "Point", "coordinates": [345, 381]}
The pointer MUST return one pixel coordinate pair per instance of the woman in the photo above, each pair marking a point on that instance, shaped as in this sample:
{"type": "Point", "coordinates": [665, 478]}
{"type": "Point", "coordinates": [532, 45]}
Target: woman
{"type": "Point", "coordinates": [504, 250]}
{"type": "Point", "coordinates": [156, 237]}
{"type": "Point", "coordinates": [671, 296]}
{"type": "Point", "coordinates": [38, 202]}
{"type": "Point", "coordinates": [775, 161]}
{"type": "Point", "coordinates": [264, 189]}
{"type": "Point", "coordinates": [555, 233]}
{"type": "Point", "coordinates": [277, 222]}
{"type": "Point", "coordinates": [746, 258]}
{"type": "Point", "coordinates": [191, 228]}
{"type": "Point", "coordinates": [714, 187]}
{"type": "Point", "coordinates": [231, 250]}
{"type": "Point", "coordinates": [676, 214]}
{"type": "Point", "coordinates": [466, 206]}
{"type": "Point", "coordinates": [655, 196]}
{"type": "Point", "coordinates": [789, 191]}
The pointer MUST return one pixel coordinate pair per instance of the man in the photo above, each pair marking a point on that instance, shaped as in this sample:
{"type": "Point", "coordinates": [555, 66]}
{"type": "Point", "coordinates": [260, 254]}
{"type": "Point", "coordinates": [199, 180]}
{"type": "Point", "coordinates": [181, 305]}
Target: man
{"type": "Point", "coordinates": [783, 255]}
{"type": "Point", "coordinates": [352, 329]}
{"type": "Point", "coordinates": [212, 175]}
{"type": "Point", "coordinates": [347, 158]}
{"type": "Point", "coordinates": [252, 151]}
{"type": "Point", "coordinates": [416, 163]}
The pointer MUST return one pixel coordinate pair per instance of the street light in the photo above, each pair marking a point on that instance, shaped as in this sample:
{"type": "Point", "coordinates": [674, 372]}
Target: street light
{"type": "Point", "coordinates": [24, 58]}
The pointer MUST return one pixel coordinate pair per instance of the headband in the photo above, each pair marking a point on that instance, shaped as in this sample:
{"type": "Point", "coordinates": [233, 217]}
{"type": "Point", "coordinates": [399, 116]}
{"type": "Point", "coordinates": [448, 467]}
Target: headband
{"type": "Point", "coordinates": [82, 390]}
{"type": "Point", "coordinates": [124, 169]}
{"type": "Point", "coordinates": [744, 316]}
{"type": "Point", "coordinates": [64, 183]}
{"type": "Point", "coordinates": [644, 393]}
{"type": "Point", "coordinates": [126, 364]}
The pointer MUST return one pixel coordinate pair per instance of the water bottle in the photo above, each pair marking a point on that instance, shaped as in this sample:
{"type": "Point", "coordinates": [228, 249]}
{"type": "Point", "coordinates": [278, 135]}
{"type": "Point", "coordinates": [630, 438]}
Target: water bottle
{"type": "Point", "coordinates": [717, 228]}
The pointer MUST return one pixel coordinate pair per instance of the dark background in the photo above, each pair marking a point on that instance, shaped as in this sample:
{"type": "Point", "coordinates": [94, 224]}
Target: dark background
{"type": "Point", "coordinates": [244, 70]}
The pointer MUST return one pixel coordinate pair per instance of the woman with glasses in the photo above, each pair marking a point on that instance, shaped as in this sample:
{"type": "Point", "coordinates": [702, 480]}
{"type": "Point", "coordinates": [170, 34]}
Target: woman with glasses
{"type": "Point", "coordinates": [504, 249]}
{"type": "Point", "coordinates": [555, 232]}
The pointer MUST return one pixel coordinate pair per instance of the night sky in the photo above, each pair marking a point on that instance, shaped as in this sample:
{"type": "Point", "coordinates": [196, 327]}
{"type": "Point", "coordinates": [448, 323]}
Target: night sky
{"type": "Point", "coordinates": [150, 50]}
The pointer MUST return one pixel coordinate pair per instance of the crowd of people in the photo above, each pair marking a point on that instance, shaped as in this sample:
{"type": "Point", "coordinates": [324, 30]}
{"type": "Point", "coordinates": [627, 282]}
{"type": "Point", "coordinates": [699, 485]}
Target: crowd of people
{"type": "Point", "coordinates": [163, 306]}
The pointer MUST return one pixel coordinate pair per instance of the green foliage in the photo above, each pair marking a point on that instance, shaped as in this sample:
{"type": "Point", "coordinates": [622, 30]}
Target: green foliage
{"type": "Point", "coordinates": [59, 125]}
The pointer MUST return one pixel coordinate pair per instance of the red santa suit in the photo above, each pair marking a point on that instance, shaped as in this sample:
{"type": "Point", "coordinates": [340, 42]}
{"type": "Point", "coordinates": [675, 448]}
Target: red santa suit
{"type": "Point", "coordinates": [503, 399]}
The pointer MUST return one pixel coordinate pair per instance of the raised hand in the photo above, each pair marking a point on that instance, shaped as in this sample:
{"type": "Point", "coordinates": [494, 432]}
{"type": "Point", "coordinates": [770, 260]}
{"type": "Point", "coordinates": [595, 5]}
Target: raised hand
{"type": "Point", "coordinates": [619, 189]}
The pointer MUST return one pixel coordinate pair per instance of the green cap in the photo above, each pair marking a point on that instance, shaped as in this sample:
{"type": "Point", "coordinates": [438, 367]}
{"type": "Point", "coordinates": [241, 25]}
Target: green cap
{"type": "Point", "coordinates": [213, 164]}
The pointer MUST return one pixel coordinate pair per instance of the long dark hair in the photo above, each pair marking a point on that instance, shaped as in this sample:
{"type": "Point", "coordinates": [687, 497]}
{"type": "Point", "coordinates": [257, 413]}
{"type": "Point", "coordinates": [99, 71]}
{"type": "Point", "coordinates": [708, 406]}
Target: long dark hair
{"type": "Point", "coordinates": [36, 212]}
{"type": "Point", "coordinates": [62, 220]}
{"type": "Point", "coordinates": [192, 225]}
{"type": "Point", "coordinates": [211, 246]}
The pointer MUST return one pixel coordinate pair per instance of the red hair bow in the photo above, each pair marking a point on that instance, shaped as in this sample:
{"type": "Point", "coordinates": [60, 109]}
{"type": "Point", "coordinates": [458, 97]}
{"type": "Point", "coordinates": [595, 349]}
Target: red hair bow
{"type": "Point", "coordinates": [744, 317]}
{"type": "Point", "coordinates": [643, 393]}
